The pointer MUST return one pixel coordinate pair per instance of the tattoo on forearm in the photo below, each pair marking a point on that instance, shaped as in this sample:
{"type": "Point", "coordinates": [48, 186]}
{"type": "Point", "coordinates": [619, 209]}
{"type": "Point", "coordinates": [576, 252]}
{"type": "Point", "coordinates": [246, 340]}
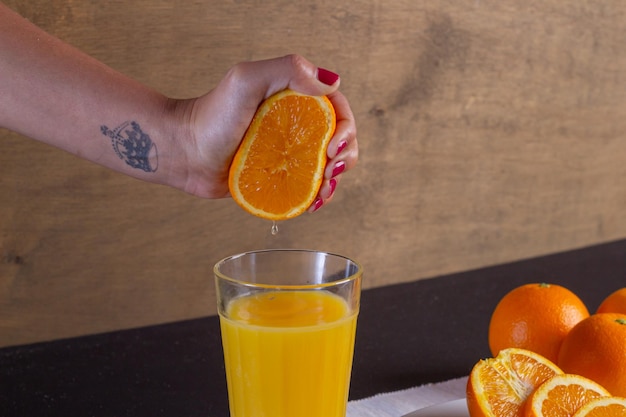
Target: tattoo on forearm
{"type": "Point", "coordinates": [133, 146]}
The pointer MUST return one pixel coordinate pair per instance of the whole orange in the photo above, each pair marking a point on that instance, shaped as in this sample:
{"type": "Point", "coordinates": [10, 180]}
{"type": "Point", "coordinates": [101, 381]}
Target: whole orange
{"type": "Point", "coordinates": [614, 303]}
{"type": "Point", "coordinates": [596, 348]}
{"type": "Point", "coordinates": [535, 317]}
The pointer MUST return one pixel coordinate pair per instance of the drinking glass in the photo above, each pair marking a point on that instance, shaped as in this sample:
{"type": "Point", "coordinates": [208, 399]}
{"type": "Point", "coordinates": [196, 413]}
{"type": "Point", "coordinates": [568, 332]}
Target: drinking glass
{"type": "Point", "coordinates": [288, 322]}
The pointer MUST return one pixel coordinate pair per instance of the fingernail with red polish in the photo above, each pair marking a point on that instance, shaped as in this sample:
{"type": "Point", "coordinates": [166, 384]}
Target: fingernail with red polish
{"type": "Point", "coordinates": [342, 145]}
{"type": "Point", "coordinates": [332, 185]}
{"type": "Point", "coordinates": [317, 204]}
{"type": "Point", "coordinates": [327, 77]}
{"type": "Point", "coordinates": [338, 169]}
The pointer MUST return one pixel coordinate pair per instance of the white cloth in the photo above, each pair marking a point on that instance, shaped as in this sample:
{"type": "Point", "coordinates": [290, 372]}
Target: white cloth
{"type": "Point", "coordinates": [399, 403]}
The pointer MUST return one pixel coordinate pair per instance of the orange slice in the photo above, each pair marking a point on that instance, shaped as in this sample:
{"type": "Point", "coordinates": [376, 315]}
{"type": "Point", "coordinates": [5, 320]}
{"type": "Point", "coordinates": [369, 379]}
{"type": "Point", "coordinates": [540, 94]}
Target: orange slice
{"type": "Point", "coordinates": [603, 407]}
{"type": "Point", "coordinates": [279, 166]}
{"type": "Point", "coordinates": [498, 387]}
{"type": "Point", "coordinates": [562, 395]}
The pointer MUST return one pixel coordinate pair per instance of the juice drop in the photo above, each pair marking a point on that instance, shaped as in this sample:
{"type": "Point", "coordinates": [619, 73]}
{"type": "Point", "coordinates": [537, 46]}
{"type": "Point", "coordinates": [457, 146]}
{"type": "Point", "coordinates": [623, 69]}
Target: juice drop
{"type": "Point", "coordinates": [274, 228]}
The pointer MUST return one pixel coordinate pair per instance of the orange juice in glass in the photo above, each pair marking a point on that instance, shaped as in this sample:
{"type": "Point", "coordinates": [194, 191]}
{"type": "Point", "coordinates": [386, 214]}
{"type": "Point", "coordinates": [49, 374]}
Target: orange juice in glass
{"type": "Point", "coordinates": [288, 320]}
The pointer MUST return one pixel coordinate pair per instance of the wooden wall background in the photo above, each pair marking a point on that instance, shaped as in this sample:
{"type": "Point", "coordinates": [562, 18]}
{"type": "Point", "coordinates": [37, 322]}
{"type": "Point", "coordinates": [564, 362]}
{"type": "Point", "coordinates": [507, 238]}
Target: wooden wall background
{"type": "Point", "coordinates": [490, 131]}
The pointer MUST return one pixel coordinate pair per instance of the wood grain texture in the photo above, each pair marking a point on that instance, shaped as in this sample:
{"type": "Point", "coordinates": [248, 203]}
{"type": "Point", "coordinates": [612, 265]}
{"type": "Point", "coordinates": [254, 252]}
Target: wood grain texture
{"type": "Point", "coordinates": [489, 131]}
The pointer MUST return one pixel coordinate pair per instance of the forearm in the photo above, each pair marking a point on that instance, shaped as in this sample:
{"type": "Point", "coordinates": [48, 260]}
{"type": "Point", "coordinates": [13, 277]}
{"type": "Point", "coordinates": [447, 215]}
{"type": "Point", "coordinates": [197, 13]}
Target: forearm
{"type": "Point", "coordinates": [56, 94]}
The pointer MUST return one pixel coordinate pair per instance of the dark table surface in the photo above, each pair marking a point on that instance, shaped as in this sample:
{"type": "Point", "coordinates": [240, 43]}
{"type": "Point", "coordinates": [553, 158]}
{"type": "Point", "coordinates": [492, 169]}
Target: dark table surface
{"type": "Point", "coordinates": [408, 334]}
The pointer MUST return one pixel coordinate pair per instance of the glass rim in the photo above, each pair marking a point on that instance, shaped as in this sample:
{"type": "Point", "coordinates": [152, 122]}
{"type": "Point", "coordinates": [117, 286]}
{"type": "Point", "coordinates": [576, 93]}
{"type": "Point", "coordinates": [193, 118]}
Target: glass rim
{"type": "Point", "coordinates": [351, 277]}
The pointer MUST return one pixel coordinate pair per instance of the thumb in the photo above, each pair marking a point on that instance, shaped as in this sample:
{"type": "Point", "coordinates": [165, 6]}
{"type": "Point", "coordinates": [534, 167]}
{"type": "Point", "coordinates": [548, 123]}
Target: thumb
{"type": "Point", "coordinates": [306, 78]}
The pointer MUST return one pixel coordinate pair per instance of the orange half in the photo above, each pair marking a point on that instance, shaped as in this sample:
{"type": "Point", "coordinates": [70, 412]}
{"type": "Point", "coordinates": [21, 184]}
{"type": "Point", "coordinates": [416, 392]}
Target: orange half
{"type": "Point", "coordinates": [279, 166]}
{"type": "Point", "coordinates": [498, 387]}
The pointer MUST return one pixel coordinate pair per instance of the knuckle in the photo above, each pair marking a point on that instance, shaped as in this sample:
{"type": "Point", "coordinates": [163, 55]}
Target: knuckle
{"type": "Point", "coordinates": [298, 63]}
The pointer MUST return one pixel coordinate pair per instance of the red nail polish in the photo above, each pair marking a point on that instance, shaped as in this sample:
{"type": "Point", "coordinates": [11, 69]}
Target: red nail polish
{"type": "Point", "coordinates": [317, 204]}
{"type": "Point", "coordinates": [332, 184]}
{"type": "Point", "coordinates": [342, 145]}
{"type": "Point", "coordinates": [327, 77]}
{"type": "Point", "coordinates": [338, 169]}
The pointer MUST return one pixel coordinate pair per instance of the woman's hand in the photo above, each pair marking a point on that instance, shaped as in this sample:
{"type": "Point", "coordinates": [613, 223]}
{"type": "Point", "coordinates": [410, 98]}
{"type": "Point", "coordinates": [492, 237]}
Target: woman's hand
{"type": "Point", "coordinates": [217, 121]}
